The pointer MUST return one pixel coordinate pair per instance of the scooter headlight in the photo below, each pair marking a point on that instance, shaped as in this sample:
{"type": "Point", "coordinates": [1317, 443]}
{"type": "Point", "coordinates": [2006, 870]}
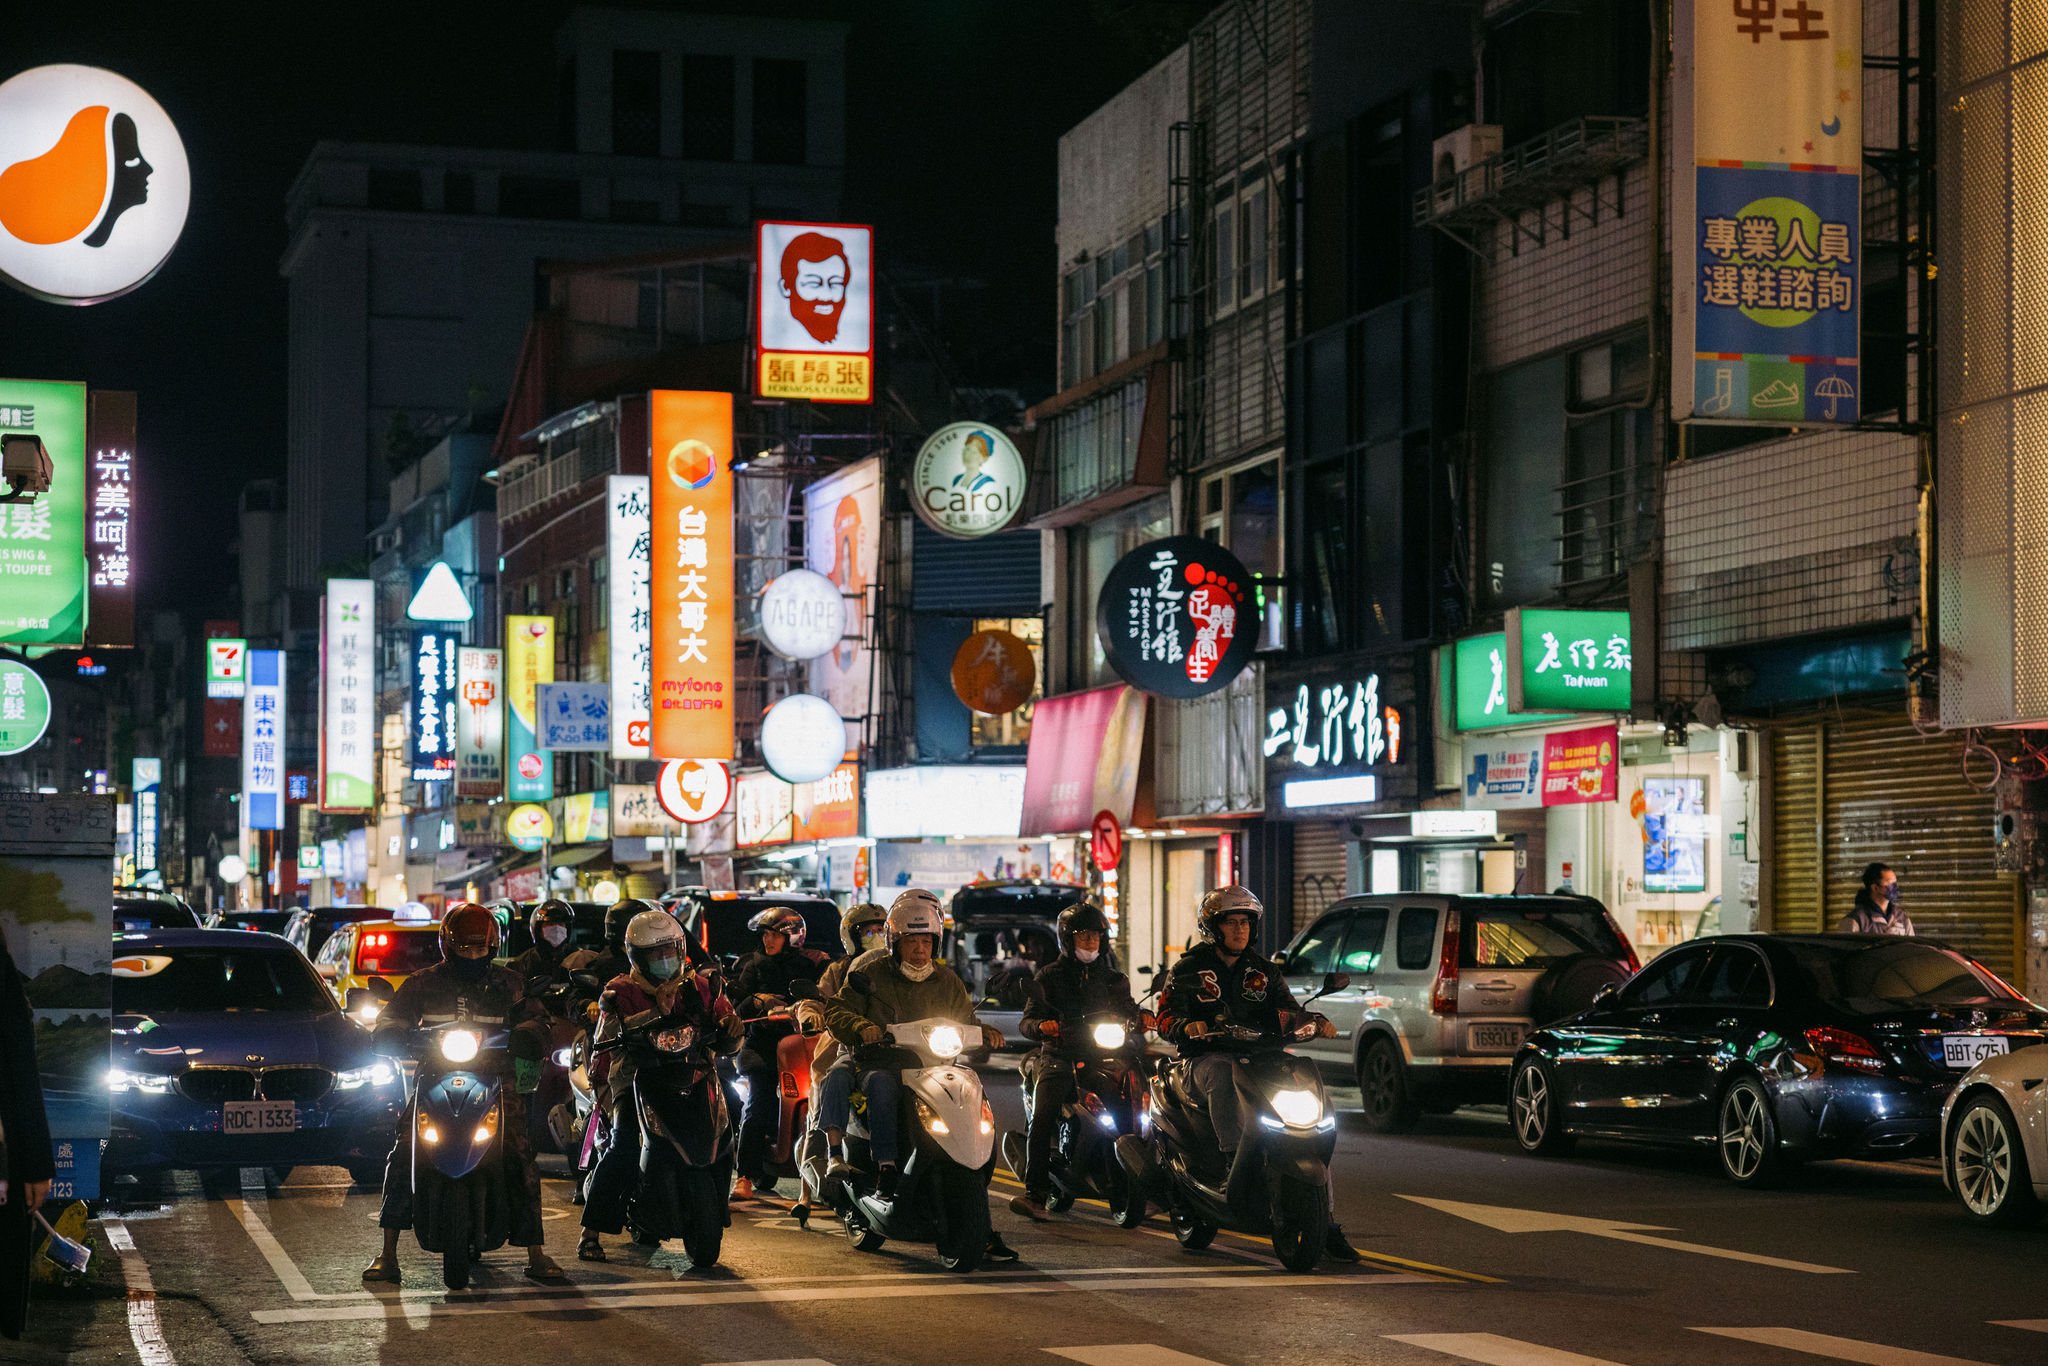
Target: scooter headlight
{"type": "Point", "coordinates": [1298, 1109]}
{"type": "Point", "coordinates": [367, 1012]}
{"type": "Point", "coordinates": [429, 1134]}
{"type": "Point", "coordinates": [742, 1089]}
{"type": "Point", "coordinates": [945, 1040]}
{"type": "Point", "coordinates": [988, 1120]}
{"type": "Point", "coordinates": [460, 1045]}
{"type": "Point", "coordinates": [563, 1057]}
{"type": "Point", "coordinates": [1110, 1034]}
{"type": "Point", "coordinates": [930, 1119]}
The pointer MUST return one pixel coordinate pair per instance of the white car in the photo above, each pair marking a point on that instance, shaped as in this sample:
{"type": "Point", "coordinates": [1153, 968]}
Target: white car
{"type": "Point", "coordinates": [1994, 1138]}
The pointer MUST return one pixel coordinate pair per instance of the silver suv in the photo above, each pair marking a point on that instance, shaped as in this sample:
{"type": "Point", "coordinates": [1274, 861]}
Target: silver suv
{"type": "Point", "coordinates": [1444, 988]}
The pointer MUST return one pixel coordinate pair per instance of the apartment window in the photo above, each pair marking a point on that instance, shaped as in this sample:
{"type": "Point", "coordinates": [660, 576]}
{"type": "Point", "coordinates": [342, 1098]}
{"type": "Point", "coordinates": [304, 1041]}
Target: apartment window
{"type": "Point", "coordinates": [1223, 255]}
{"type": "Point", "coordinates": [708, 108]}
{"type": "Point", "coordinates": [395, 187]}
{"type": "Point", "coordinates": [1242, 510]}
{"type": "Point", "coordinates": [1328, 594]}
{"type": "Point", "coordinates": [1092, 551]}
{"type": "Point", "coordinates": [1243, 242]}
{"type": "Point", "coordinates": [458, 192]}
{"type": "Point", "coordinates": [1608, 481]}
{"type": "Point", "coordinates": [781, 116]}
{"type": "Point", "coordinates": [1013, 729]}
{"type": "Point", "coordinates": [600, 599]}
{"type": "Point", "coordinates": [529, 596]}
{"type": "Point", "coordinates": [1113, 306]}
{"type": "Point", "coordinates": [636, 104]}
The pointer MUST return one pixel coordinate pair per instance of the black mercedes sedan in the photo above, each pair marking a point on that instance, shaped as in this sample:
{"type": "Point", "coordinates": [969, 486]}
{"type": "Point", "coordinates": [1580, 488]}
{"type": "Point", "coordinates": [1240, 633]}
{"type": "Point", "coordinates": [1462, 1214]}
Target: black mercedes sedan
{"type": "Point", "coordinates": [1772, 1049]}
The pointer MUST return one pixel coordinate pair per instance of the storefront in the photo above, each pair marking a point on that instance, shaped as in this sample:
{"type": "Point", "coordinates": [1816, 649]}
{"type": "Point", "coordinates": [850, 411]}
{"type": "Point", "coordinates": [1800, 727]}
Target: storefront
{"type": "Point", "coordinates": [798, 836]}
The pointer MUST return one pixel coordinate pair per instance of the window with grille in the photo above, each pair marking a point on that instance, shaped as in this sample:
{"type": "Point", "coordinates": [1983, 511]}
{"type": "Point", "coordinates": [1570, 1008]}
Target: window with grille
{"type": "Point", "coordinates": [1113, 305]}
{"type": "Point", "coordinates": [1243, 510]}
{"type": "Point", "coordinates": [1605, 495]}
{"type": "Point", "coordinates": [636, 104]}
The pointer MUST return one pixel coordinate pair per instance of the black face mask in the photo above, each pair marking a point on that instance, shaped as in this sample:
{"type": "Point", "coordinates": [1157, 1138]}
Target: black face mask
{"type": "Point", "coordinates": [468, 969]}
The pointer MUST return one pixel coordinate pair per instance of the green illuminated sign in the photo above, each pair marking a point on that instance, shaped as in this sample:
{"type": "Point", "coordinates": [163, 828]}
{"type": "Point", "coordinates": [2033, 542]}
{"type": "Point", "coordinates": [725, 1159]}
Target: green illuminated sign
{"type": "Point", "coordinates": [1479, 686]}
{"type": "Point", "coordinates": [1561, 660]}
{"type": "Point", "coordinates": [24, 707]}
{"type": "Point", "coordinates": [42, 543]}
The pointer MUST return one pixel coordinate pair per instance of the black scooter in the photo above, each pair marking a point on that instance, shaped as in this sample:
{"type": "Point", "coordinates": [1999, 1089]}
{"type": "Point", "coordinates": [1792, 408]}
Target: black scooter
{"type": "Point", "coordinates": [686, 1152]}
{"type": "Point", "coordinates": [1279, 1182]}
{"type": "Point", "coordinates": [460, 1207]}
{"type": "Point", "coordinates": [1110, 1099]}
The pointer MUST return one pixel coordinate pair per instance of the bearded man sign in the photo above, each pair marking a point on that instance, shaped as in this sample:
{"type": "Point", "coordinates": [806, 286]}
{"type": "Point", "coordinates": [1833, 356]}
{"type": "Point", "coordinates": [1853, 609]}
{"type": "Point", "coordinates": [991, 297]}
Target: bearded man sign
{"type": "Point", "coordinates": [815, 302]}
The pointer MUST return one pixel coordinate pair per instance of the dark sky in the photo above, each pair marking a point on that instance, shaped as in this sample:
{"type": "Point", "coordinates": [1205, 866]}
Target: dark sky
{"type": "Point", "coordinates": [954, 112]}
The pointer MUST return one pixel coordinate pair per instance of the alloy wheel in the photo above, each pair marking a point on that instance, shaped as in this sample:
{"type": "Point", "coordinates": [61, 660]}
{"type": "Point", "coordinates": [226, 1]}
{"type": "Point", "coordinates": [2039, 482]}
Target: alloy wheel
{"type": "Point", "coordinates": [1531, 1107]}
{"type": "Point", "coordinates": [1379, 1081]}
{"type": "Point", "coordinates": [1983, 1161]}
{"type": "Point", "coordinates": [1742, 1131]}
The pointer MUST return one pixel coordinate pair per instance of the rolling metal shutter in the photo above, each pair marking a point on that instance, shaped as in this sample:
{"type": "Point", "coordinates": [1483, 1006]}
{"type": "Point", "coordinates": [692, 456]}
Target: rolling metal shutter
{"type": "Point", "coordinates": [1319, 869]}
{"type": "Point", "coordinates": [1875, 788]}
{"type": "Point", "coordinates": [996, 575]}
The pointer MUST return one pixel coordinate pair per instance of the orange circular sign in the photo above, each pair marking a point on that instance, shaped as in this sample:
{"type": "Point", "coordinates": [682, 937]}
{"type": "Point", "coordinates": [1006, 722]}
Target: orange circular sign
{"type": "Point", "coordinates": [993, 672]}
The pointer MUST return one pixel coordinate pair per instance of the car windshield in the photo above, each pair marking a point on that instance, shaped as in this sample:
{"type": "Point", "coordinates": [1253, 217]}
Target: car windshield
{"type": "Point", "coordinates": [155, 981]}
{"type": "Point", "coordinates": [397, 953]}
{"type": "Point", "coordinates": [1865, 975]}
{"type": "Point", "coordinates": [135, 916]}
{"type": "Point", "coordinates": [1534, 933]}
{"type": "Point", "coordinates": [1012, 905]}
{"type": "Point", "coordinates": [327, 919]}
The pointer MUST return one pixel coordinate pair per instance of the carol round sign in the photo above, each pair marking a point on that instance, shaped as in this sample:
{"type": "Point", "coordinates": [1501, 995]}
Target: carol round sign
{"type": "Point", "coordinates": [94, 186]}
{"type": "Point", "coordinates": [1173, 617]}
{"type": "Point", "coordinates": [967, 481]}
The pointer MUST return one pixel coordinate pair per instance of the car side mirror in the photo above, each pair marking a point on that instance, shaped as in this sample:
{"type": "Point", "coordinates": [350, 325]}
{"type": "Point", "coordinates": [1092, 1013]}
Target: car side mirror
{"type": "Point", "coordinates": [1606, 995]}
{"type": "Point", "coordinates": [1335, 981]}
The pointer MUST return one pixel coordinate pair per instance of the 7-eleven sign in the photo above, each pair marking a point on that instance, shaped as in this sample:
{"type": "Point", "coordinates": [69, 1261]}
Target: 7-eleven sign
{"type": "Point", "coordinates": [227, 667]}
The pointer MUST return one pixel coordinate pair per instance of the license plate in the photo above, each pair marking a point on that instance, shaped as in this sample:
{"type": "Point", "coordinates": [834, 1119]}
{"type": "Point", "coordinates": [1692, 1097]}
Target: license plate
{"type": "Point", "coordinates": [1496, 1038]}
{"type": "Point", "coordinates": [1964, 1051]}
{"type": "Point", "coordinates": [259, 1116]}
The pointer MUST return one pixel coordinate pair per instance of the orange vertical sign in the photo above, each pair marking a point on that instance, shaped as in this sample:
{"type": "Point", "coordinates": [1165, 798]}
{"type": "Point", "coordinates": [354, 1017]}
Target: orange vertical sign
{"type": "Point", "coordinates": [691, 469]}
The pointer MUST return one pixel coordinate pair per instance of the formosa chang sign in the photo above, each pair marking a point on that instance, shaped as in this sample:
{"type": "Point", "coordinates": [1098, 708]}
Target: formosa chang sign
{"type": "Point", "coordinates": [967, 481]}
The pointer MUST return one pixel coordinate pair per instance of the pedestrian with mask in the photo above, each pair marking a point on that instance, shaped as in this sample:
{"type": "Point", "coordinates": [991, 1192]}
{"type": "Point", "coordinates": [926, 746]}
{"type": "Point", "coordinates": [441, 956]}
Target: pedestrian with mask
{"type": "Point", "coordinates": [1877, 908]}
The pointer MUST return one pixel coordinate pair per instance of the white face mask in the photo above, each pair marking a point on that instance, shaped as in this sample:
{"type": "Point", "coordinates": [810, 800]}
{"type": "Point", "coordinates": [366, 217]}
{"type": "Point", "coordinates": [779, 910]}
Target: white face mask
{"type": "Point", "coordinates": [1087, 955]}
{"type": "Point", "coordinates": [555, 935]}
{"type": "Point", "coordinates": [916, 974]}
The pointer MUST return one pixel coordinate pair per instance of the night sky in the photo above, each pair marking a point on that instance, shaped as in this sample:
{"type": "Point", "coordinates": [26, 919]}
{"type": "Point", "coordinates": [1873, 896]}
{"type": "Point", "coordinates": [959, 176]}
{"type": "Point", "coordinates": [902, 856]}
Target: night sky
{"type": "Point", "coordinates": [954, 110]}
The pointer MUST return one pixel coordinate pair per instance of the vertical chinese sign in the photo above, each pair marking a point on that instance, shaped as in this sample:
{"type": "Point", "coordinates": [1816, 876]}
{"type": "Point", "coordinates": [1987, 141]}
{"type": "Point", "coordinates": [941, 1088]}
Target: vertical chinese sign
{"type": "Point", "coordinates": [263, 742]}
{"type": "Point", "coordinates": [146, 779]}
{"type": "Point", "coordinates": [1767, 142]}
{"type": "Point", "coordinates": [42, 543]}
{"type": "Point", "coordinates": [815, 312]}
{"type": "Point", "coordinates": [691, 460]}
{"type": "Point", "coordinates": [480, 722]}
{"type": "Point", "coordinates": [433, 705]}
{"type": "Point", "coordinates": [348, 698]}
{"type": "Point", "coordinates": [109, 538]}
{"type": "Point", "coordinates": [529, 662]}
{"type": "Point", "coordinates": [630, 554]}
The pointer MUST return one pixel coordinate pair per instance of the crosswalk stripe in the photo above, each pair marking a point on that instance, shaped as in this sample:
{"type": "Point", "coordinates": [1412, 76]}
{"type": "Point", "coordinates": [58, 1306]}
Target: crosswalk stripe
{"type": "Point", "coordinates": [1491, 1349]}
{"type": "Point", "coordinates": [1128, 1354]}
{"type": "Point", "coordinates": [1838, 1349]}
{"type": "Point", "coordinates": [780, 1361]}
{"type": "Point", "coordinates": [2024, 1325]}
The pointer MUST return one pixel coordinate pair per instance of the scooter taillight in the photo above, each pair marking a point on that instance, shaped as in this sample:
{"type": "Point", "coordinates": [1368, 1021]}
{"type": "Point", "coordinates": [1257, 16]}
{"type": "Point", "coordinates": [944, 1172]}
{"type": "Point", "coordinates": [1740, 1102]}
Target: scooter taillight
{"type": "Point", "coordinates": [789, 1086]}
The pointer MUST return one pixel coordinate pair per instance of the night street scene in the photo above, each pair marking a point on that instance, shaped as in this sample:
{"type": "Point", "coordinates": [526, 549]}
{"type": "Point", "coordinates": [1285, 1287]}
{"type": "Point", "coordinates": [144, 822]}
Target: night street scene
{"type": "Point", "coordinates": [1016, 682]}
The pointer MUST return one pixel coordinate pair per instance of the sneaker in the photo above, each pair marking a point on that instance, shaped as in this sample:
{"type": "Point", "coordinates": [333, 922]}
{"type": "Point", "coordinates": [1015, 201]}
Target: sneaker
{"type": "Point", "coordinates": [1031, 1206]}
{"type": "Point", "coordinates": [998, 1250]}
{"type": "Point", "coordinates": [1337, 1247]}
{"type": "Point", "coordinates": [743, 1189]}
{"type": "Point", "coordinates": [885, 1181]}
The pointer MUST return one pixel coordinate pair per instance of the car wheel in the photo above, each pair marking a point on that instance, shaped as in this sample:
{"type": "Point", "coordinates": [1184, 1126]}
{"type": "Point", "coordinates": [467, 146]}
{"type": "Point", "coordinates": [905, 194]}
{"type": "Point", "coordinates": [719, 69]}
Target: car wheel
{"type": "Point", "coordinates": [1746, 1139]}
{"type": "Point", "coordinates": [1388, 1102]}
{"type": "Point", "coordinates": [1533, 1111]}
{"type": "Point", "coordinates": [1987, 1165]}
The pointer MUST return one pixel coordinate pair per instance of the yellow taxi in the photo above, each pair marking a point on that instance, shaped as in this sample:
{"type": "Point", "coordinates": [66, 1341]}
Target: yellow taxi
{"type": "Point", "coordinates": [364, 963]}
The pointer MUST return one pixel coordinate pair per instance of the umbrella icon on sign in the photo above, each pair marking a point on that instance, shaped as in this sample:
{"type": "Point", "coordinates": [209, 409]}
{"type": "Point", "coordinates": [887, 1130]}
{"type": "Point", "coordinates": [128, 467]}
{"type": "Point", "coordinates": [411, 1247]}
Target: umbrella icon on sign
{"type": "Point", "coordinates": [1834, 389]}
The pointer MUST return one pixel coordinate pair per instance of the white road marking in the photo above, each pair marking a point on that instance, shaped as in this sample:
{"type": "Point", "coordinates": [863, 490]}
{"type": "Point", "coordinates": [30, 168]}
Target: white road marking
{"type": "Point", "coordinates": [1837, 1349]}
{"type": "Point", "coordinates": [144, 1328]}
{"type": "Point", "coordinates": [782, 1361]}
{"type": "Point", "coordinates": [2024, 1325]}
{"type": "Point", "coordinates": [281, 1265]}
{"type": "Point", "coordinates": [1128, 1354]}
{"type": "Point", "coordinates": [1509, 1220]}
{"type": "Point", "coordinates": [1491, 1349]}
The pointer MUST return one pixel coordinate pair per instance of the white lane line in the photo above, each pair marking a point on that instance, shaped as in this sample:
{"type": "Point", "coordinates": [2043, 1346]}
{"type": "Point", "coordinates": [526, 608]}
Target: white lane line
{"type": "Point", "coordinates": [808, 1294]}
{"type": "Point", "coordinates": [281, 1264]}
{"type": "Point", "coordinates": [1491, 1349]}
{"type": "Point", "coordinates": [2024, 1325]}
{"type": "Point", "coordinates": [1837, 1349]}
{"type": "Point", "coordinates": [781, 1361]}
{"type": "Point", "coordinates": [1128, 1354]}
{"type": "Point", "coordinates": [144, 1328]}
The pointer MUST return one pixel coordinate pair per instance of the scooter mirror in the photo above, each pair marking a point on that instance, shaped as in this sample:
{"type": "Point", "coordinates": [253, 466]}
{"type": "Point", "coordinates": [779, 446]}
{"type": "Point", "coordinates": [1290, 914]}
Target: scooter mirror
{"type": "Point", "coordinates": [1335, 981]}
{"type": "Point", "coordinates": [1145, 971]}
{"type": "Point", "coordinates": [803, 989]}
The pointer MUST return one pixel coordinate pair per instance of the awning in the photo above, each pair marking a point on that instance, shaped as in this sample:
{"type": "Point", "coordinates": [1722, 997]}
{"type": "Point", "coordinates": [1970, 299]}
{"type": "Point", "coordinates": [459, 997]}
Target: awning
{"type": "Point", "coordinates": [1086, 749]}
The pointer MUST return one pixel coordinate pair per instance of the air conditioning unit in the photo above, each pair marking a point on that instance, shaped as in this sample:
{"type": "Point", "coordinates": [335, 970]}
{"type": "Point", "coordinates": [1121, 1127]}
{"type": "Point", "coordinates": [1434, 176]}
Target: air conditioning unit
{"type": "Point", "coordinates": [1461, 149]}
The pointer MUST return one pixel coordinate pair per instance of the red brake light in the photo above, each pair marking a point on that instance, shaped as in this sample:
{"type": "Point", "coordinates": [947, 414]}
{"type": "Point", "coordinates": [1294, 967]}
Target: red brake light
{"type": "Point", "coordinates": [1443, 993]}
{"type": "Point", "coordinates": [1635, 964]}
{"type": "Point", "coordinates": [1844, 1048]}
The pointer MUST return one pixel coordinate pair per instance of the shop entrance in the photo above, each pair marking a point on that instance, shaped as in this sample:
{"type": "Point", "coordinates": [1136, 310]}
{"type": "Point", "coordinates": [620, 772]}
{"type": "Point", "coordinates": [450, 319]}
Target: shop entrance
{"type": "Point", "coordinates": [1485, 866]}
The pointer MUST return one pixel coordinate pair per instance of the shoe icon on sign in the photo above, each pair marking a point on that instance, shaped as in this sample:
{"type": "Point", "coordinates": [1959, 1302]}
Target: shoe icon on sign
{"type": "Point", "coordinates": [1776, 394]}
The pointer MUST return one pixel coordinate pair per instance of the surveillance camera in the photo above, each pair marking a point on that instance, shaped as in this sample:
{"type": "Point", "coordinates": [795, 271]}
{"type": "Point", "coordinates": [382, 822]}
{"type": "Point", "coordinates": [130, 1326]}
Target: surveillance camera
{"type": "Point", "coordinates": [25, 463]}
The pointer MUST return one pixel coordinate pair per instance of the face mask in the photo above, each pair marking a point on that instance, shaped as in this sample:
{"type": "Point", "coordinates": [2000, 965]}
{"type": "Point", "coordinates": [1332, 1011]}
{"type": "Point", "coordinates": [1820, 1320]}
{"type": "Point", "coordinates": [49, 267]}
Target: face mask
{"type": "Point", "coordinates": [664, 968]}
{"type": "Point", "coordinates": [872, 939]}
{"type": "Point", "coordinates": [468, 969]}
{"type": "Point", "coordinates": [1087, 955]}
{"type": "Point", "coordinates": [916, 974]}
{"type": "Point", "coordinates": [555, 935]}
{"type": "Point", "coordinates": [1891, 896]}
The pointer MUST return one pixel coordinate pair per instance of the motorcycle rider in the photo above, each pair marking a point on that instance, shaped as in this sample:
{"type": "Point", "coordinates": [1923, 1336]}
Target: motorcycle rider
{"type": "Point", "coordinates": [466, 980]}
{"type": "Point", "coordinates": [1224, 981]}
{"type": "Point", "coordinates": [862, 929]}
{"type": "Point", "coordinates": [761, 983]}
{"type": "Point", "coordinates": [546, 963]}
{"type": "Point", "coordinates": [660, 987]}
{"type": "Point", "coordinates": [610, 961]}
{"type": "Point", "coordinates": [1084, 980]}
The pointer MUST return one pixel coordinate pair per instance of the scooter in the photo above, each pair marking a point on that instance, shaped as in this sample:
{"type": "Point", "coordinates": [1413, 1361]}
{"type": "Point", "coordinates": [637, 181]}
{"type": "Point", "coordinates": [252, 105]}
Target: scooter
{"type": "Point", "coordinates": [458, 1182]}
{"type": "Point", "coordinates": [947, 1135]}
{"type": "Point", "coordinates": [686, 1151]}
{"type": "Point", "coordinates": [574, 1124]}
{"type": "Point", "coordinates": [1279, 1183]}
{"type": "Point", "coordinates": [784, 1157]}
{"type": "Point", "coordinates": [554, 1090]}
{"type": "Point", "coordinates": [1110, 1099]}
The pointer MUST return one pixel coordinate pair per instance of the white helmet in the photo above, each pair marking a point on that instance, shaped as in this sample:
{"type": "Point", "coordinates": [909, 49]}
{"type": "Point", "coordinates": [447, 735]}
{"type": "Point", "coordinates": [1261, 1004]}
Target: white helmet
{"type": "Point", "coordinates": [915, 912]}
{"type": "Point", "coordinates": [651, 935]}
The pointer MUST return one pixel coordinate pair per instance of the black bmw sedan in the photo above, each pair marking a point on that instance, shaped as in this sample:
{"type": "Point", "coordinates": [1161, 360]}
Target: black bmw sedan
{"type": "Point", "coordinates": [1772, 1049]}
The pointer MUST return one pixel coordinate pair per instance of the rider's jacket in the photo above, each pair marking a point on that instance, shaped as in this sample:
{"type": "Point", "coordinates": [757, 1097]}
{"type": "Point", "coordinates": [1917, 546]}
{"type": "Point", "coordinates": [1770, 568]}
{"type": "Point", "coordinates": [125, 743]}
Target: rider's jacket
{"type": "Point", "coordinates": [436, 995]}
{"type": "Point", "coordinates": [630, 1000]}
{"type": "Point", "coordinates": [1067, 989]}
{"type": "Point", "coordinates": [770, 974]}
{"type": "Point", "coordinates": [1202, 986]}
{"type": "Point", "coordinates": [892, 998]}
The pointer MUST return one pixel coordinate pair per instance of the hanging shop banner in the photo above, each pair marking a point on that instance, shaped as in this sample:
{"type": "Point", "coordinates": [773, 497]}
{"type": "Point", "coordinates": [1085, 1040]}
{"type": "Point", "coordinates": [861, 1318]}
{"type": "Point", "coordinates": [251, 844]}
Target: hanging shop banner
{"type": "Point", "coordinates": [348, 696]}
{"type": "Point", "coordinates": [967, 480]}
{"type": "Point", "coordinates": [815, 309]}
{"type": "Point", "coordinates": [1084, 756]}
{"type": "Point", "coordinates": [802, 614]}
{"type": "Point", "coordinates": [42, 543]}
{"type": "Point", "coordinates": [479, 722]}
{"type": "Point", "coordinates": [946, 868]}
{"type": "Point", "coordinates": [109, 539]}
{"type": "Point", "coordinates": [993, 673]}
{"type": "Point", "coordinates": [842, 541]}
{"type": "Point", "coordinates": [24, 707]}
{"type": "Point", "coordinates": [145, 789]}
{"type": "Point", "coordinates": [629, 544]}
{"type": "Point", "coordinates": [222, 720]}
{"type": "Point", "coordinates": [1504, 775]}
{"type": "Point", "coordinates": [529, 662]}
{"type": "Point", "coordinates": [1478, 686]}
{"type": "Point", "coordinates": [1562, 768]}
{"type": "Point", "coordinates": [528, 827]}
{"type": "Point", "coordinates": [1344, 735]}
{"type": "Point", "coordinates": [1767, 195]}
{"type": "Point", "coordinates": [637, 813]}
{"type": "Point", "coordinates": [586, 818]}
{"type": "Point", "coordinates": [1568, 661]}
{"type": "Point", "coordinates": [691, 511]}
{"type": "Point", "coordinates": [227, 667]}
{"type": "Point", "coordinates": [1168, 617]}
{"type": "Point", "coordinates": [771, 811]}
{"type": "Point", "coordinates": [263, 742]}
{"type": "Point", "coordinates": [575, 716]}
{"type": "Point", "coordinates": [434, 702]}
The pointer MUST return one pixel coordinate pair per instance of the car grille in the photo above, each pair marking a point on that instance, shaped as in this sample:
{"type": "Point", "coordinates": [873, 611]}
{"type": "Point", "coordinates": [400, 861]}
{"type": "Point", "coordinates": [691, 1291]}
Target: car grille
{"type": "Point", "coordinates": [212, 1085]}
{"type": "Point", "coordinates": [302, 1084]}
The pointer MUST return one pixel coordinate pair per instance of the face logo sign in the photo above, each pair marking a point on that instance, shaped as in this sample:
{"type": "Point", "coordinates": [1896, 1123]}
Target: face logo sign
{"type": "Point", "coordinates": [813, 279]}
{"type": "Point", "coordinates": [94, 185]}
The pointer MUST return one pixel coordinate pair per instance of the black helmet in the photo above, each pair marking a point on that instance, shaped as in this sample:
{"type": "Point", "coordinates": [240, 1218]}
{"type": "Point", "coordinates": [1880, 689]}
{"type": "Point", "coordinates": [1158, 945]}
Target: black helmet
{"type": "Point", "coordinates": [858, 916]}
{"type": "Point", "coordinates": [617, 918]}
{"type": "Point", "coordinates": [1230, 900]}
{"type": "Point", "coordinates": [468, 926]}
{"type": "Point", "coordinates": [1082, 915]}
{"type": "Point", "coordinates": [784, 921]}
{"type": "Point", "coordinates": [553, 911]}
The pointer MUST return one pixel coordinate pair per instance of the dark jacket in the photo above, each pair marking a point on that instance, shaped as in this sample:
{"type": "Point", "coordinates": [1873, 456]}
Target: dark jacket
{"type": "Point", "coordinates": [630, 1001]}
{"type": "Point", "coordinates": [436, 995]}
{"type": "Point", "coordinates": [1203, 987]}
{"type": "Point", "coordinates": [25, 1152]}
{"type": "Point", "coordinates": [1870, 918]}
{"type": "Point", "coordinates": [766, 974]}
{"type": "Point", "coordinates": [892, 998]}
{"type": "Point", "coordinates": [1068, 989]}
{"type": "Point", "coordinates": [601, 964]}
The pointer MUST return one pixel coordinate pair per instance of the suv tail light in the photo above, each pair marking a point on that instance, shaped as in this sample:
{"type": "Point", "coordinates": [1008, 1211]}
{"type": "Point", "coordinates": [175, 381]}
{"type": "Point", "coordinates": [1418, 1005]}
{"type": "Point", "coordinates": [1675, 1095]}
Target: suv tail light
{"type": "Point", "coordinates": [1443, 993]}
{"type": "Point", "coordinates": [1844, 1049]}
{"type": "Point", "coordinates": [1635, 964]}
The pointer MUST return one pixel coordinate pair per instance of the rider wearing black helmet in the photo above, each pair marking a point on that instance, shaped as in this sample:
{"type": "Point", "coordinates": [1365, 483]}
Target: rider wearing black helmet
{"type": "Point", "coordinates": [761, 983]}
{"type": "Point", "coordinates": [546, 963]}
{"type": "Point", "coordinates": [601, 965]}
{"type": "Point", "coordinates": [1082, 981]}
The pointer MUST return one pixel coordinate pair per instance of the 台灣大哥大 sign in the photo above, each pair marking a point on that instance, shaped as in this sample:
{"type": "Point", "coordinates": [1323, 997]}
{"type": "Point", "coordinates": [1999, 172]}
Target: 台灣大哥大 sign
{"type": "Point", "coordinates": [967, 480]}
{"type": "Point", "coordinates": [1171, 617]}
{"type": "Point", "coordinates": [815, 311]}
{"type": "Point", "coordinates": [1561, 660]}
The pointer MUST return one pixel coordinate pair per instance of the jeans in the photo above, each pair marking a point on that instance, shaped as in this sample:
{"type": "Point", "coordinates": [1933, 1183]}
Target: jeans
{"type": "Point", "coordinates": [760, 1113]}
{"type": "Point", "coordinates": [884, 1090]}
{"type": "Point", "coordinates": [615, 1174]}
{"type": "Point", "coordinates": [1227, 1096]}
{"type": "Point", "coordinates": [1051, 1088]}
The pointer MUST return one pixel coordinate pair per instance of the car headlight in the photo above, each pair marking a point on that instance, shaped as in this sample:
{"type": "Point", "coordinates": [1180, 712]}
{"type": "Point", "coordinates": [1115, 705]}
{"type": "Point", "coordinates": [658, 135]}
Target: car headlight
{"type": "Point", "coordinates": [1298, 1109]}
{"type": "Point", "coordinates": [460, 1045]}
{"type": "Point", "coordinates": [149, 1083]}
{"type": "Point", "coordinates": [945, 1040]}
{"type": "Point", "coordinates": [376, 1074]}
{"type": "Point", "coordinates": [1110, 1034]}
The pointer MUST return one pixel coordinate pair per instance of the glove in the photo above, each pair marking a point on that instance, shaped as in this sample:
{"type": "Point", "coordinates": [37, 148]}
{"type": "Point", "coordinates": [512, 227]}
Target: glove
{"type": "Point", "coordinates": [1194, 1029]}
{"type": "Point", "coordinates": [1049, 1028]}
{"type": "Point", "coordinates": [732, 1025]}
{"type": "Point", "coordinates": [872, 1034]}
{"type": "Point", "coordinates": [991, 1037]}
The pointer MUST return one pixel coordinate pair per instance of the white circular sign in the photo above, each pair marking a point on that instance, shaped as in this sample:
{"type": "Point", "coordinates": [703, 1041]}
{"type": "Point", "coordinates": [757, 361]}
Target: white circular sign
{"type": "Point", "coordinates": [967, 481]}
{"type": "Point", "coordinates": [94, 186]}
{"type": "Point", "coordinates": [803, 614]}
{"type": "Point", "coordinates": [802, 739]}
{"type": "Point", "coordinates": [693, 790]}
{"type": "Point", "coordinates": [233, 868]}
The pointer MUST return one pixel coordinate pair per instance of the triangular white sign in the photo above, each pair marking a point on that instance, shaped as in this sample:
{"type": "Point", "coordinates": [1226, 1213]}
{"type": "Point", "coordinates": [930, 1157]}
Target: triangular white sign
{"type": "Point", "coordinates": [440, 597]}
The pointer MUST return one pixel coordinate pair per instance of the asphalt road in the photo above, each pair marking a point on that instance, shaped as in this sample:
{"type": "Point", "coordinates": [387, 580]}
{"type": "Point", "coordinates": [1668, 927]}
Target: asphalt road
{"type": "Point", "coordinates": [1474, 1253]}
